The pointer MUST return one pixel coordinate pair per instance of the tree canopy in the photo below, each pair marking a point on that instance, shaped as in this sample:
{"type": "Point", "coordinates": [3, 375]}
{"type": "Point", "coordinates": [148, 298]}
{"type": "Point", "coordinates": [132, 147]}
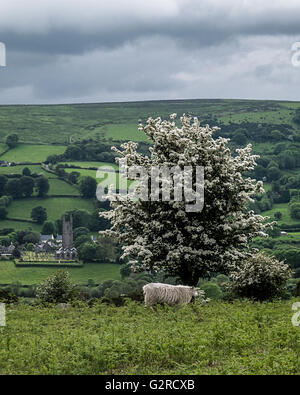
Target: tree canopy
{"type": "Point", "coordinates": [163, 235]}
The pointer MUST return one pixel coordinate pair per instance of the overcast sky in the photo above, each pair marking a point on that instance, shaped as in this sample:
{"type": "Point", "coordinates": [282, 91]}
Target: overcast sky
{"type": "Point", "coordinates": [66, 51]}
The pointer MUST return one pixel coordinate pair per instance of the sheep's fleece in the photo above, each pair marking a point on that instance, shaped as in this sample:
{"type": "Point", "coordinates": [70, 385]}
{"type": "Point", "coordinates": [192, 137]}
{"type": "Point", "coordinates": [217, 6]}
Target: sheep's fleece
{"type": "Point", "coordinates": [166, 293]}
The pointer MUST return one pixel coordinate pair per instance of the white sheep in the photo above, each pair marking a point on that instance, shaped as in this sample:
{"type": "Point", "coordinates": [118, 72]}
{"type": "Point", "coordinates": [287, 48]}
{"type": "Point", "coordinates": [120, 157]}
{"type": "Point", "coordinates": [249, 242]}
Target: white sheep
{"type": "Point", "coordinates": [170, 294]}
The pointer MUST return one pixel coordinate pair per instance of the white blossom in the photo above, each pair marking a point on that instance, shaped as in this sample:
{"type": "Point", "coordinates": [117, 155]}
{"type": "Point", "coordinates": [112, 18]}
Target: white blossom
{"type": "Point", "coordinates": [162, 234]}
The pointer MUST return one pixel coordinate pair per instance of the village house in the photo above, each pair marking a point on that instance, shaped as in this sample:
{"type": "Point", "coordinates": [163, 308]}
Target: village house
{"type": "Point", "coordinates": [7, 251]}
{"type": "Point", "coordinates": [45, 238]}
{"type": "Point", "coordinates": [4, 163]}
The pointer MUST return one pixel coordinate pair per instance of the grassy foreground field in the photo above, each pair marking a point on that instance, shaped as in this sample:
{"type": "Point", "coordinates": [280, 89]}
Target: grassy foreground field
{"type": "Point", "coordinates": [31, 275]}
{"type": "Point", "coordinates": [218, 338]}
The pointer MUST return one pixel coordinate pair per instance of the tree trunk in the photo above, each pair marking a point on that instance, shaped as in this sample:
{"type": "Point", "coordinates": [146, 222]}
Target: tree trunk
{"type": "Point", "coordinates": [189, 277]}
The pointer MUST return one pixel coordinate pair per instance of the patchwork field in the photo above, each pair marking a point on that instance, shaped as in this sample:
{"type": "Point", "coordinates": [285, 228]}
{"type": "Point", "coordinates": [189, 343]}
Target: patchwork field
{"type": "Point", "coordinates": [34, 275]}
{"type": "Point", "coordinates": [284, 209]}
{"type": "Point", "coordinates": [280, 116]}
{"type": "Point", "coordinates": [87, 164]}
{"type": "Point", "coordinates": [21, 209]}
{"type": "Point", "coordinates": [59, 187]}
{"type": "Point", "coordinates": [18, 169]}
{"type": "Point", "coordinates": [3, 147]}
{"type": "Point", "coordinates": [103, 177]}
{"type": "Point", "coordinates": [19, 225]}
{"type": "Point", "coordinates": [32, 153]}
{"type": "Point", "coordinates": [124, 131]}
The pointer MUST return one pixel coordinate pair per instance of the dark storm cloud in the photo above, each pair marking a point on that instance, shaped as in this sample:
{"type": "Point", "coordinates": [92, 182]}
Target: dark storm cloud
{"type": "Point", "coordinates": [94, 50]}
{"type": "Point", "coordinates": [76, 27]}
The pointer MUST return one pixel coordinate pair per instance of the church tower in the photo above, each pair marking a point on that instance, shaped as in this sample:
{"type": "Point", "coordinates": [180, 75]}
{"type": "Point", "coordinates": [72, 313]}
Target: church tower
{"type": "Point", "coordinates": [67, 234]}
{"type": "Point", "coordinates": [67, 250]}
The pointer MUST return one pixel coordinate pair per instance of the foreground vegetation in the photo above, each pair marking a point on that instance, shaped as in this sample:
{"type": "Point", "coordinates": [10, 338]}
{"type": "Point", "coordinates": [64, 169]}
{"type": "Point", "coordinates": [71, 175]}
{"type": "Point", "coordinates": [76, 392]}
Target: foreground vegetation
{"type": "Point", "coordinates": [217, 338]}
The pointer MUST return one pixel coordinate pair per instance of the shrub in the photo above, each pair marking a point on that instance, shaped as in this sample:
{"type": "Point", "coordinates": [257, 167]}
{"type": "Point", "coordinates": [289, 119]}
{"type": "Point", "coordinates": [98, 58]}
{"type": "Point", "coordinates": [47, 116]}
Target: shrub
{"type": "Point", "coordinates": [88, 251]}
{"type": "Point", "coordinates": [3, 213]}
{"type": "Point", "coordinates": [31, 237]}
{"type": "Point", "coordinates": [48, 228]}
{"type": "Point", "coordinates": [80, 231]}
{"type": "Point", "coordinates": [30, 247]}
{"type": "Point", "coordinates": [278, 215]}
{"type": "Point", "coordinates": [125, 270]}
{"type": "Point", "coordinates": [260, 277]}
{"type": "Point", "coordinates": [6, 296]}
{"type": "Point", "coordinates": [27, 292]}
{"type": "Point", "coordinates": [39, 214]}
{"type": "Point", "coordinates": [81, 240]}
{"type": "Point", "coordinates": [56, 289]}
{"type": "Point", "coordinates": [212, 290]}
{"type": "Point", "coordinates": [16, 253]}
{"type": "Point", "coordinates": [87, 187]}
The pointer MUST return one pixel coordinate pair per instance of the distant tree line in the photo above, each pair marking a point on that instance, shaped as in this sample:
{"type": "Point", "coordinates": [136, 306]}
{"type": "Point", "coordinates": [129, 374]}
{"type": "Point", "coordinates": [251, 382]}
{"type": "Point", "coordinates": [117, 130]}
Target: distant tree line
{"type": "Point", "coordinates": [241, 133]}
{"type": "Point", "coordinates": [12, 140]}
{"type": "Point", "coordinates": [24, 186]}
{"type": "Point", "coordinates": [91, 150]}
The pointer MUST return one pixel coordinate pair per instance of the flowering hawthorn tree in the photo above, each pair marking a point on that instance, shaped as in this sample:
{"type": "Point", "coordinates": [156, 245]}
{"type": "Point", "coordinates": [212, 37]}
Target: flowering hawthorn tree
{"type": "Point", "coordinates": [163, 235]}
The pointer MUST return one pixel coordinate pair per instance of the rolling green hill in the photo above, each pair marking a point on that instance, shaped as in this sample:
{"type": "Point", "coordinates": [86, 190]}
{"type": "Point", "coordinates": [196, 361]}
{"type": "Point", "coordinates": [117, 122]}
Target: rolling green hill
{"type": "Point", "coordinates": [67, 123]}
{"type": "Point", "coordinates": [81, 135]}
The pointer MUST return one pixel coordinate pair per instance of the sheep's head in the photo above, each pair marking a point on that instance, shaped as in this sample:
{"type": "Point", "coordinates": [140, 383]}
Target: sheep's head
{"type": "Point", "coordinates": [195, 292]}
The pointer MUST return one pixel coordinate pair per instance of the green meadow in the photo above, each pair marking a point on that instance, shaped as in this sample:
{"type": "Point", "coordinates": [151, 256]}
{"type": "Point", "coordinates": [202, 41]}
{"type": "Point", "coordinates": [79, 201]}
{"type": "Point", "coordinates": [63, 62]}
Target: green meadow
{"type": "Point", "coordinates": [21, 209]}
{"type": "Point", "coordinates": [87, 164]}
{"type": "Point", "coordinates": [19, 169]}
{"type": "Point", "coordinates": [19, 225]}
{"type": "Point", "coordinates": [124, 131]}
{"type": "Point", "coordinates": [32, 153]}
{"type": "Point", "coordinates": [286, 217]}
{"type": "Point", "coordinates": [59, 187]}
{"type": "Point", "coordinates": [3, 147]}
{"type": "Point", "coordinates": [9, 273]}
